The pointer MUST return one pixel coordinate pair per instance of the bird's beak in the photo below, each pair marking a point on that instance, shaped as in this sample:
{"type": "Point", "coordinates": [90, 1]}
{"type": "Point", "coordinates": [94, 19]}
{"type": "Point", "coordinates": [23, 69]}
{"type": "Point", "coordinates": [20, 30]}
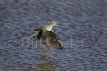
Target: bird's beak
{"type": "Point", "coordinates": [60, 27]}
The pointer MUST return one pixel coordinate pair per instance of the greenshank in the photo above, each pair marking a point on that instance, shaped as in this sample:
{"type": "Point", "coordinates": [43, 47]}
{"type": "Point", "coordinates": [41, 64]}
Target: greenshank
{"type": "Point", "coordinates": [46, 33]}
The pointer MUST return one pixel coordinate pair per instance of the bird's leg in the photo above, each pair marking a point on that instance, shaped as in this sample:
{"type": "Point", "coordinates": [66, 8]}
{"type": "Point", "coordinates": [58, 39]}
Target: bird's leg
{"type": "Point", "coordinates": [45, 50]}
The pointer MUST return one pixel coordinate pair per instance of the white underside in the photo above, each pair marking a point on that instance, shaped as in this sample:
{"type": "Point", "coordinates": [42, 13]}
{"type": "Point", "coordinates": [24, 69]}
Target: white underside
{"type": "Point", "coordinates": [48, 28]}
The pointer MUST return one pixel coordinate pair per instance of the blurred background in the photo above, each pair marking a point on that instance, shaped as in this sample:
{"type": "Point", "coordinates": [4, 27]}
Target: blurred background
{"type": "Point", "coordinates": [83, 34]}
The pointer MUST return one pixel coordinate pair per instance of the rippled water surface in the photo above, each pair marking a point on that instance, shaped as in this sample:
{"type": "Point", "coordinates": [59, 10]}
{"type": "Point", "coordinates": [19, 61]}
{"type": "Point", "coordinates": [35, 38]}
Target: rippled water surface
{"type": "Point", "coordinates": [83, 33]}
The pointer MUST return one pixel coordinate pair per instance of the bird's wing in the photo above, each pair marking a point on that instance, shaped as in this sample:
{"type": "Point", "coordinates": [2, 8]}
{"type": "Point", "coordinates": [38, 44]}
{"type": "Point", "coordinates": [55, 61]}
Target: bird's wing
{"type": "Point", "coordinates": [36, 29]}
{"type": "Point", "coordinates": [39, 34]}
{"type": "Point", "coordinates": [53, 40]}
{"type": "Point", "coordinates": [36, 35]}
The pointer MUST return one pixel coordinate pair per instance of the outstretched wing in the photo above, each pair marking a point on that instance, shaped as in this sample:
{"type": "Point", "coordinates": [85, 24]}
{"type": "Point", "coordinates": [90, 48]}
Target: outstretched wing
{"type": "Point", "coordinates": [36, 29]}
{"type": "Point", "coordinates": [36, 35]}
{"type": "Point", "coordinates": [53, 40]}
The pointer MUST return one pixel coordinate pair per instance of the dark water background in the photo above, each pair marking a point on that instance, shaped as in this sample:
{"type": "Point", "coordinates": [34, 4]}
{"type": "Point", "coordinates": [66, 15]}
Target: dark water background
{"type": "Point", "coordinates": [83, 33]}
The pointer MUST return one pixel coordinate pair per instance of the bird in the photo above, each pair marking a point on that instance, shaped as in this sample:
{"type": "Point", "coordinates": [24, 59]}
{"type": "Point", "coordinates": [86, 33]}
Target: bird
{"type": "Point", "coordinates": [46, 33]}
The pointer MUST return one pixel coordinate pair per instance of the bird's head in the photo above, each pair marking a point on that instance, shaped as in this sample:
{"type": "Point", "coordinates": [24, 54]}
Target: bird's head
{"type": "Point", "coordinates": [53, 23]}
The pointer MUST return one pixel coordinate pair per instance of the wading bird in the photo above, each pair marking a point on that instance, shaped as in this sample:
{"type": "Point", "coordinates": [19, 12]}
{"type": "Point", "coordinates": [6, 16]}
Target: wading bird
{"type": "Point", "coordinates": [47, 34]}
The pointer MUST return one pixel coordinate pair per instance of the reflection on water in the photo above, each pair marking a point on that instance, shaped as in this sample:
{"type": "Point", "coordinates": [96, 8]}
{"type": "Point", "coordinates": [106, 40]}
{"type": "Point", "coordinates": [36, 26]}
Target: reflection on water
{"type": "Point", "coordinates": [83, 34]}
{"type": "Point", "coordinates": [49, 66]}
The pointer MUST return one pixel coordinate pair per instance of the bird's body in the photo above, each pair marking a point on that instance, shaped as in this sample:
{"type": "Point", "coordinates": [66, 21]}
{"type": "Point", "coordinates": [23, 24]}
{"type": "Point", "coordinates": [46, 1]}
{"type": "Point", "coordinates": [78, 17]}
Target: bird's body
{"type": "Point", "coordinates": [47, 34]}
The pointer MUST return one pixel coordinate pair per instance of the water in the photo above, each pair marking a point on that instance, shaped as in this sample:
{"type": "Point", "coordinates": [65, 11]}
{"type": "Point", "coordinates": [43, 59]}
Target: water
{"type": "Point", "coordinates": [83, 33]}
